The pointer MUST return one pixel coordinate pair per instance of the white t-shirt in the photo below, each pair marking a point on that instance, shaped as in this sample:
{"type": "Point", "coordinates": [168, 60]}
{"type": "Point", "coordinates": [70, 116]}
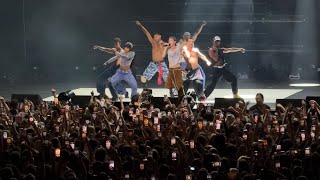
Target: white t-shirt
{"type": "Point", "coordinates": [175, 56]}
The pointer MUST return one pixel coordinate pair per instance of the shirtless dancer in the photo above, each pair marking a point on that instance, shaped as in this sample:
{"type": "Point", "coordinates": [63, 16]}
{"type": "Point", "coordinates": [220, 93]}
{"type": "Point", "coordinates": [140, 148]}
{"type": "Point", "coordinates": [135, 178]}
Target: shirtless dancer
{"type": "Point", "coordinates": [157, 64]}
{"type": "Point", "coordinates": [194, 73]}
{"type": "Point", "coordinates": [183, 43]}
{"type": "Point", "coordinates": [175, 59]}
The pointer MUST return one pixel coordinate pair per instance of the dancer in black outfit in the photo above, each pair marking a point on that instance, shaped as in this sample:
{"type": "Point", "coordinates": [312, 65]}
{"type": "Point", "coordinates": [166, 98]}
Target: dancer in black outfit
{"type": "Point", "coordinates": [219, 69]}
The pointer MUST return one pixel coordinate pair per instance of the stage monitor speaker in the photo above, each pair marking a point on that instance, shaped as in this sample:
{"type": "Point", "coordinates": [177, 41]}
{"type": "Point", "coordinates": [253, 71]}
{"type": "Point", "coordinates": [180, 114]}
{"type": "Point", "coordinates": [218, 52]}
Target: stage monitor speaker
{"type": "Point", "coordinates": [35, 98]}
{"type": "Point", "coordinates": [285, 102]}
{"type": "Point", "coordinates": [81, 101]}
{"type": "Point", "coordinates": [158, 102]}
{"type": "Point", "coordinates": [117, 104]}
{"type": "Point", "coordinates": [224, 103]}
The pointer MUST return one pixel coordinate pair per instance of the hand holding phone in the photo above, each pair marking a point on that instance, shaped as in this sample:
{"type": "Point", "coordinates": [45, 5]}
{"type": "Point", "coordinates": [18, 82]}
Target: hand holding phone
{"type": "Point", "coordinates": [200, 125]}
{"type": "Point", "coordinates": [111, 164]}
{"type": "Point", "coordinates": [192, 144]}
{"type": "Point", "coordinates": [57, 152]}
{"type": "Point", "coordinates": [307, 151]}
{"type": "Point", "coordinates": [174, 156]}
{"type": "Point", "coordinates": [245, 137]}
{"type": "Point", "coordinates": [141, 166]}
{"type": "Point", "coordinates": [173, 141]}
{"type": "Point", "coordinates": [108, 144]}
{"type": "Point", "coordinates": [5, 135]}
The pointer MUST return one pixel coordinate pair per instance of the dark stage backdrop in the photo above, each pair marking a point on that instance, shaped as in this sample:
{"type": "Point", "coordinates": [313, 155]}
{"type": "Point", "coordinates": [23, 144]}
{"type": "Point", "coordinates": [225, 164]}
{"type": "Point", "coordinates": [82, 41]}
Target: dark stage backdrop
{"type": "Point", "coordinates": [46, 40]}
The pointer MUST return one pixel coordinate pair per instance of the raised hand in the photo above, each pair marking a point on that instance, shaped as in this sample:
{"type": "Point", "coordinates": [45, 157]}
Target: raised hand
{"type": "Point", "coordinates": [95, 47]}
{"type": "Point", "coordinates": [312, 102]}
{"type": "Point", "coordinates": [138, 23]}
{"type": "Point", "coordinates": [208, 62]}
{"type": "Point", "coordinates": [243, 50]}
{"type": "Point", "coordinates": [204, 23]}
{"type": "Point", "coordinates": [279, 106]}
{"type": "Point", "coordinates": [166, 44]}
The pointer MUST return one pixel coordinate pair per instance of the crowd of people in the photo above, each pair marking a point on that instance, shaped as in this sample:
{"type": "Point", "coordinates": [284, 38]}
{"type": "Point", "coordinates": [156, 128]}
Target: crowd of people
{"type": "Point", "coordinates": [60, 140]}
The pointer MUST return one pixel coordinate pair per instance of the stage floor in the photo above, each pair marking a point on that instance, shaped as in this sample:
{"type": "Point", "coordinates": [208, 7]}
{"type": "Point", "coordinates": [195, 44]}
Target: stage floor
{"type": "Point", "coordinates": [247, 94]}
{"type": "Point", "coordinates": [247, 90]}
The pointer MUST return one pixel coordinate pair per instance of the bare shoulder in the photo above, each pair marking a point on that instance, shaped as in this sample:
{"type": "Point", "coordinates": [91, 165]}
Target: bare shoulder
{"type": "Point", "coordinates": [195, 49]}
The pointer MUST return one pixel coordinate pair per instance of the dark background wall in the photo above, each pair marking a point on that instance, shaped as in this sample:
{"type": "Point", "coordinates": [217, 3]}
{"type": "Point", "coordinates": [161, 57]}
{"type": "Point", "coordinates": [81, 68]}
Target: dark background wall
{"type": "Point", "coordinates": [46, 40]}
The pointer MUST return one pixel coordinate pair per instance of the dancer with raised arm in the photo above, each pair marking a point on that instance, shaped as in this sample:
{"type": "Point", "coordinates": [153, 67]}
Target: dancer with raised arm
{"type": "Point", "coordinates": [219, 69]}
{"type": "Point", "coordinates": [157, 64]}
{"type": "Point", "coordinates": [187, 35]}
{"type": "Point", "coordinates": [194, 72]}
{"type": "Point", "coordinates": [183, 42]}
{"type": "Point", "coordinates": [175, 58]}
{"type": "Point", "coordinates": [124, 72]}
{"type": "Point", "coordinates": [103, 78]}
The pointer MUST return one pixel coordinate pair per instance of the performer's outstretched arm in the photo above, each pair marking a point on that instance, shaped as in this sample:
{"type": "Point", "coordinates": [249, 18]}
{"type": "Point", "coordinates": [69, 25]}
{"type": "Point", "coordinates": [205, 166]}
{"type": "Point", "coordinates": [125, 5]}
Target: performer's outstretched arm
{"type": "Point", "coordinates": [111, 60]}
{"type": "Point", "coordinates": [127, 56]}
{"type": "Point", "coordinates": [203, 57]}
{"type": "Point", "coordinates": [164, 52]}
{"type": "Point", "coordinates": [145, 31]}
{"type": "Point", "coordinates": [185, 53]}
{"type": "Point", "coordinates": [104, 49]}
{"type": "Point", "coordinates": [195, 34]}
{"type": "Point", "coordinates": [229, 50]}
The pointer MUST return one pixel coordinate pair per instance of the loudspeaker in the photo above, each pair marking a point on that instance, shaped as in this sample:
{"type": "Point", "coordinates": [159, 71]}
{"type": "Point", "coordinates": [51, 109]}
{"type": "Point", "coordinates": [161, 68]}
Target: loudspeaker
{"type": "Point", "coordinates": [224, 103]}
{"type": "Point", "coordinates": [285, 102]}
{"type": "Point", "coordinates": [158, 102]}
{"type": "Point", "coordinates": [35, 98]}
{"type": "Point", "coordinates": [82, 101]}
{"type": "Point", "coordinates": [118, 105]}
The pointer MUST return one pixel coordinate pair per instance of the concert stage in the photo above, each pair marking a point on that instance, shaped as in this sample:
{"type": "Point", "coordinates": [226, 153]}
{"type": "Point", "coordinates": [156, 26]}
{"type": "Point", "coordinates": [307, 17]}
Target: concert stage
{"type": "Point", "coordinates": [247, 90]}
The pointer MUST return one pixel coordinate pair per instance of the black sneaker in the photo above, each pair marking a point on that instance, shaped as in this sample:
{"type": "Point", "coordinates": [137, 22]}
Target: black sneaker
{"type": "Point", "coordinates": [127, 94]}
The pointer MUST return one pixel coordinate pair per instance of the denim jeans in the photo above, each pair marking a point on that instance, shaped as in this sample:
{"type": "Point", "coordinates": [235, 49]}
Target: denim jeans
{"type": "Point", "coordinates": [102, 80]}
{"type": "Point", "coordinates": [126, 76]}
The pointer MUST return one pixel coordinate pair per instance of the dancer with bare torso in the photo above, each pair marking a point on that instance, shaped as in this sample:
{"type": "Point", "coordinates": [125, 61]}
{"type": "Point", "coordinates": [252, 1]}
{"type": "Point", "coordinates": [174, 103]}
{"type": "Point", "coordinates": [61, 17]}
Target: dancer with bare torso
{"type": "Point", "coordinates": [194, 71]}
{"type": "Point", "coordinates": [157, 64]}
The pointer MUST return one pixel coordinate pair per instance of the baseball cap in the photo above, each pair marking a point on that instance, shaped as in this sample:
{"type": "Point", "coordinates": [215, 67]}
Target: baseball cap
{"type": "Point", "coordinates": [216, 38]}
